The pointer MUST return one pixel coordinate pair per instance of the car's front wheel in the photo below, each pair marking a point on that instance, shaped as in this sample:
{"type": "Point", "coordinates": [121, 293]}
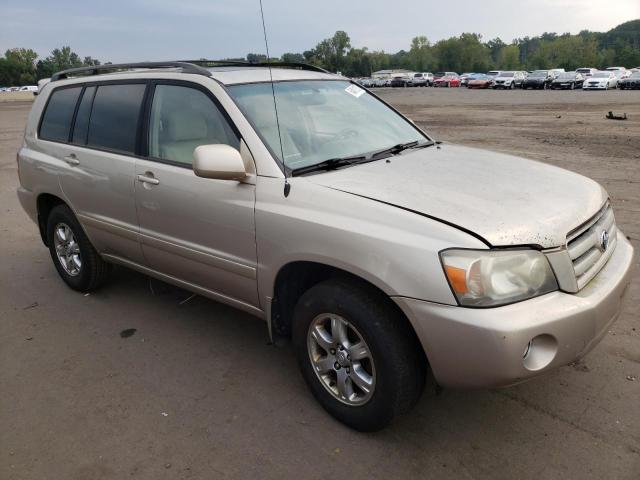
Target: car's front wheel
{"type": "Point", "coordinates": [357, 353]}
{"type": "Point", "coordinates": [75, 259]}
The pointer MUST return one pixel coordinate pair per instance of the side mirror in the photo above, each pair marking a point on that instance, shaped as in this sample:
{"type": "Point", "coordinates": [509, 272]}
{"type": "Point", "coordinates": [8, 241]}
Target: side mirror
{"type": "Point", "coordinates": [220, 161]}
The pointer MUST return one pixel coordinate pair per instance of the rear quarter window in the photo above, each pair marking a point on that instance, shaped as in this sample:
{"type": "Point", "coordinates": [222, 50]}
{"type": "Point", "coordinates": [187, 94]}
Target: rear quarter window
{"type": "Point", "coordinates": [58, 114]}
{"type": "Point", "coordinates": [113, 124]}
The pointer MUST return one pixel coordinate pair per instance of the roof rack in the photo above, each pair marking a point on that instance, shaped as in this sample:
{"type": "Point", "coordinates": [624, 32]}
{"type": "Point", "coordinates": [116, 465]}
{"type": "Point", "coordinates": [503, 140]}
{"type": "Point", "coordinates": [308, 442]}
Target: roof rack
{"type": "Point", "coordinates": [187, 67]}
{"type": "Point", "coordinates": [239, 63]}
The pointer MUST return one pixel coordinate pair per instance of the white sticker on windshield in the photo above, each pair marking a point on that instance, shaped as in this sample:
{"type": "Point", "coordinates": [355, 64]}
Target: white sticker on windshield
{"type": "Point", "coordinates": [354, 90]}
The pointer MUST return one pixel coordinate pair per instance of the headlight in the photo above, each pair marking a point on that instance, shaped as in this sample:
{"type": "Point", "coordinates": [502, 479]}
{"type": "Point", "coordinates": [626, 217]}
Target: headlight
{"type": "Point", "coordinates": [489, 278]}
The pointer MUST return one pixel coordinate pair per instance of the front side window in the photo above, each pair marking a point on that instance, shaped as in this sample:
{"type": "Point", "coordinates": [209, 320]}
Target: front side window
{"type": "Point", "coordinates": [56, 121]}
{"type": "Point", "coordinates": [183, 118]}
{"type": "Point", "coordinates": [321, 120]}
{"type": "Point", "coordinates": [113, 124]}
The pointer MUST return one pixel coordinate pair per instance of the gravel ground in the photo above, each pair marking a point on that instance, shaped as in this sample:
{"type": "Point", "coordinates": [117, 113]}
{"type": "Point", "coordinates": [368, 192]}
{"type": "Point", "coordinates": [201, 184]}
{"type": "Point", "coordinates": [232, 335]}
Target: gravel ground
{"type": "Point", "coordinates": [197, 392]}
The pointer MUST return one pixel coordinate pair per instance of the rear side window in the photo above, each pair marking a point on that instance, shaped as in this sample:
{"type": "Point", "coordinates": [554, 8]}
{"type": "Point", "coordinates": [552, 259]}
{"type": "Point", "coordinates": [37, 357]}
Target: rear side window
{"type": "Point", "coordinates": [56, 121]}
{"type": "Point", "coordinates": [114, 118]}
{"type": "Point", "coordinates": [81, 127]}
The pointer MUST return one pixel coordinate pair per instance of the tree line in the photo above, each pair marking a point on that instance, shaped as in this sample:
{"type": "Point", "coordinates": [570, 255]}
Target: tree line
{"type": "Point", "coordinates": [464, 53]}
{"type": "Point", "coordinates": [469, 53]}
{"type": "Point", "coordinates": [20, 66]}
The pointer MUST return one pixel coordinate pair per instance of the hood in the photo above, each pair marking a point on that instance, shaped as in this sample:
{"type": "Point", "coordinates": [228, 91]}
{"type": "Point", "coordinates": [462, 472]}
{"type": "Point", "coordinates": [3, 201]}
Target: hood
{"type": "Point", "coordinates": [506, 200]}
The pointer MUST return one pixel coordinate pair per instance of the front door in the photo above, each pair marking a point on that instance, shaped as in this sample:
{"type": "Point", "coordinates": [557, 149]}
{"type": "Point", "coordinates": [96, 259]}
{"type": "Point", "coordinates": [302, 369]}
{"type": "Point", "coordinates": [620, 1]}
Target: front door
{"type": "Point", "coordinates": [197, 230]}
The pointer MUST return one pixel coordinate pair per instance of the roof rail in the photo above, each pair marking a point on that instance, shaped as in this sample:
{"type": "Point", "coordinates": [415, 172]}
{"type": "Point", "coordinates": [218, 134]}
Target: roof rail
{"type": "Point", "coordinates": [187, 67]}
{"type": "Point", "coordinates": [239, 63]}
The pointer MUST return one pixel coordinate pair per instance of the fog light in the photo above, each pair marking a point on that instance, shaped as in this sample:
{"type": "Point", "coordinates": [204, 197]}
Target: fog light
{"type": "Point", "coordinates": [540, 352]}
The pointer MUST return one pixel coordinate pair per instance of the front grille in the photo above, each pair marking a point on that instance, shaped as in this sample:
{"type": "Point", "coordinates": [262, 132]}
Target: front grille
{"type": "Point", "coordinates": [591, 245]}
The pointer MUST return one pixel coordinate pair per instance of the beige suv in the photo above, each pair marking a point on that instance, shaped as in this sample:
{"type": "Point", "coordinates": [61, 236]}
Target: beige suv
{"type": "Point", "coordinates": [303, 199]}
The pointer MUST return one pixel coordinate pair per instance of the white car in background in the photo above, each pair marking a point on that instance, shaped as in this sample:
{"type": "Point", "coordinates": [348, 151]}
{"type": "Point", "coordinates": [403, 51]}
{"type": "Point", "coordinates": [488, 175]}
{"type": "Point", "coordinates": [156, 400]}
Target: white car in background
{"type": "Point", "coordinates": [422, 79]}
{"type": "Point", "coordinates": [29, 88]}
{"type": "Point", "coordinates": [603, 80]}
{"type": "Point", "coordinates": [508, 80]}
{"type": "Point", "coordinates": [621, 72]}
{"type": "Point", "coordinates": [586, 71]}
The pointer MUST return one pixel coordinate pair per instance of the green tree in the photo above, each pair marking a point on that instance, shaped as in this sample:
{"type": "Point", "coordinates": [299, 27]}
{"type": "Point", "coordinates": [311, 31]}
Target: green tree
{"type": "Point", "coordinates": [421, 55]}
{"type": "Point", "coordinates": [509, 58]}
{"type": "Point", "coordinates": [293, 58]}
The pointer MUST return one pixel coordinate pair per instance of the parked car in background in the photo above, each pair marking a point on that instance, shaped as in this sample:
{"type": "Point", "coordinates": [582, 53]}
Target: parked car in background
{"type": "Point", "coordinates": [493, 73]}
{"type": "Point", "coordinates": [508, 80]}
{"type": "Point", "coordinates": [632, 82]}
{"type": "Point", "coordinates": [365, 82]}
{"type": "Point", "coordinates": [621, 72]}
{"type": "Point", "coordinates": [603, 80]}
{"type": "Point", "coordinates": [586, 71]}
{"type": "Point", "coordinates": [451, 79]}
{"type": "Point", "coordinates": [29, 88]}
{"type": "Point", "coordinates": [401, 80]}
{"type": "Point", "coordinates": [567, 81]}
{"type": "Point", "coordinates": [538, 79]}
{"type": "Point", "coordinates": [422, 79]}
{"type": "Point", "coordinates": [480, 80]}
{"type": "Point", "coordinates": [464, 78]}
{"type": "Point", "coordinates": [556, 71]}
{"type": "Point", "coordinates": [481, 268]}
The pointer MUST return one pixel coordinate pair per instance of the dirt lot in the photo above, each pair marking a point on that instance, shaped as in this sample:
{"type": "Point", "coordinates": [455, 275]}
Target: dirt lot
{"type": "Point", "coordinates": [197, 392]}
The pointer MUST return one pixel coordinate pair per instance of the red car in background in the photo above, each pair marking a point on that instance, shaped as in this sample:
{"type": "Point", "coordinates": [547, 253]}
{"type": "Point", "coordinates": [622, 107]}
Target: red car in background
{"type": "Point", "coordinates": [447, 81]}
{"type": "Point", "coordinates": [480, 81]}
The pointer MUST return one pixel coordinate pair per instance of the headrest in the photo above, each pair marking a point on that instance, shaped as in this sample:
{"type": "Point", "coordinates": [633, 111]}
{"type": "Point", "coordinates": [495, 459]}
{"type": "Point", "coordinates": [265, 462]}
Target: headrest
{"type": "Point", "coordinates": [185, 125]}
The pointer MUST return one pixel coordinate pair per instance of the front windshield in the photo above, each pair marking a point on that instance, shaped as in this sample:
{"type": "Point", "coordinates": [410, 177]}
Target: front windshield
{"type": "Point", "coordinates": [566, 76]}
{"type": "Point", "coordinates": [635, 75]}
{"type": "Point", "coordinates": [539, 73]}
{"type": "Point", "coordinates": [506, 74]}
{"type": "Point", "coordinates": [321, 120]}
{"type": "Point", "coordinates": [602, 75]}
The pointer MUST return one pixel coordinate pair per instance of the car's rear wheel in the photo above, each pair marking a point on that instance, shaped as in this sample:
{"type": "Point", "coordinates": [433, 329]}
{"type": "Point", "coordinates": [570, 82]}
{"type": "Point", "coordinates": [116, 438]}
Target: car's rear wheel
{"type": "Point", "coordinates": [357, 353]}
{"type": "Point", "coordinates": [75, 259]}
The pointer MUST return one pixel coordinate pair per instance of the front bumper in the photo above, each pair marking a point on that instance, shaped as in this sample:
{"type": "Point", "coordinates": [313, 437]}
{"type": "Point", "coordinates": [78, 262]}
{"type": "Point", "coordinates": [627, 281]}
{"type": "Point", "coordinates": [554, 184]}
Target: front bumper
{"type": "Point", "coordinates": [472, 348]}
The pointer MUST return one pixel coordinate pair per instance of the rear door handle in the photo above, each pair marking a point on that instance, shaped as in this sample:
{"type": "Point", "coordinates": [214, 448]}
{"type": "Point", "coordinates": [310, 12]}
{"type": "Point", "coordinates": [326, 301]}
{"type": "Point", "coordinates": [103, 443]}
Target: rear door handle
{"type": "Point", "coordinates": [147, 179]}
{"type": "Point", "coordinates": [72, 160]}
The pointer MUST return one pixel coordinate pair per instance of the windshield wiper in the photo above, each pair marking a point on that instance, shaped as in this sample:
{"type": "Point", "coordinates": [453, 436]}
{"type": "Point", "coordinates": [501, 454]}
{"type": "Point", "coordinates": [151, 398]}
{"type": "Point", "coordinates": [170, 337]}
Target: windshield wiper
{"type": "Point", "coordinates": [330, 164]}
{"type": "Point", "coordinates": [338, 162]}
{"type": "Point", "coordinates": [400, 147]}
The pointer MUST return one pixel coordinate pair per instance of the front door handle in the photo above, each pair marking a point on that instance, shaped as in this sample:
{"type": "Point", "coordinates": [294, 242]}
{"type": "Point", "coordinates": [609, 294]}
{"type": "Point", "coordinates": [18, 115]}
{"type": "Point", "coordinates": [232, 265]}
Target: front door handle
{"type": "Point", "coordinates": [148, 179]}
{"type": "Point", "coordinates": [72, 160]}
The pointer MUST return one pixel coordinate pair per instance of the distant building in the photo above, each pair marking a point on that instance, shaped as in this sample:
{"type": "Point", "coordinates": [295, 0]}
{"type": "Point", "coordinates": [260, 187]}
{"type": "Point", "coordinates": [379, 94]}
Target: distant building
{"type": "Point", "coordinates": [384, 74]}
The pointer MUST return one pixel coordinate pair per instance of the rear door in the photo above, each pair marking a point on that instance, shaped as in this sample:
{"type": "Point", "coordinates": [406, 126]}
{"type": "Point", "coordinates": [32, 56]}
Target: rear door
{"type": "Point", "coordinates": [98, 175]}
{"type": "Point", "coordinates": [197, 230]}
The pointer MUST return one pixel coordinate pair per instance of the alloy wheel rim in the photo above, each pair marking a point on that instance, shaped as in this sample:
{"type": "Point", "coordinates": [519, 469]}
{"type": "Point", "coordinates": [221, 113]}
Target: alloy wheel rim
{"type": "Point", "coordinates": [341, 359]}
{"type": "Point", "coordinates": [67, 249]}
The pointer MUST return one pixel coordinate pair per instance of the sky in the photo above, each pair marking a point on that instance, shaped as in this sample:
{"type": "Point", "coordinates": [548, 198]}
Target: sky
{"type": "Point", "coordinates": [138, 30]}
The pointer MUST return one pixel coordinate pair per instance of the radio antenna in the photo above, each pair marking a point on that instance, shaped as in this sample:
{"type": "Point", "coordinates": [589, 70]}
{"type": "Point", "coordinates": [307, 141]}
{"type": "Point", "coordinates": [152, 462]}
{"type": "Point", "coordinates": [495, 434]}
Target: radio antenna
{"type": "Point", "coordinates": [287, 186]}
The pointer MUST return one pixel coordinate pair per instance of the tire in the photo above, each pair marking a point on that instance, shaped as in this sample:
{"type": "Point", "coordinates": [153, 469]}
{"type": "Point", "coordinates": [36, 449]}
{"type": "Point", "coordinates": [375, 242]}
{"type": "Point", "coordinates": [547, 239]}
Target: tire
{"type": "Point", "coordinates": [85, 270]}
{"type": "Point", "coordinates": [396, 365]}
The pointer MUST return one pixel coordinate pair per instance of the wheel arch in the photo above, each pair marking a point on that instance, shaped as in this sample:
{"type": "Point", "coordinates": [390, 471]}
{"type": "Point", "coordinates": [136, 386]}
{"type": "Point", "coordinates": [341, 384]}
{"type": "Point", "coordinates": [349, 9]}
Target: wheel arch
{"type": "Point", "coordinates": [45, 203]}
{"type": "Point", "coordinates": [296, 277]}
